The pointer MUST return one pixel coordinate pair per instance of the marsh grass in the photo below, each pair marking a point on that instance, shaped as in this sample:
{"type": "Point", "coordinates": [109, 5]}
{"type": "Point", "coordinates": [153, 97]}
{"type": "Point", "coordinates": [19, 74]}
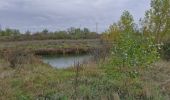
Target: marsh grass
{"type": "Point", "coordinates": [38, 81]}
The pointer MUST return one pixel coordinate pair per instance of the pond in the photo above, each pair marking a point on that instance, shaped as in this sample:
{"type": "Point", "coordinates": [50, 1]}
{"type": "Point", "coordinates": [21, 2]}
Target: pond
{"type": "Point", "coordinates": [61, 61]}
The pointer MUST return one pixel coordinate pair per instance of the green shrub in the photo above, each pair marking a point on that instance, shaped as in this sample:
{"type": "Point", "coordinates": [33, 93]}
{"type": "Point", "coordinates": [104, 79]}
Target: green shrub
{"type": "Point", "coordinates": [134, 51]}
{"type": "Point", "coordinates": [131, 55]}
{"type": "Point", "coordinates": [165, 52]}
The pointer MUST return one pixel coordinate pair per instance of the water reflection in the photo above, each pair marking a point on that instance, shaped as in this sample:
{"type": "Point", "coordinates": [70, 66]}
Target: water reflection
{"type": "Point", "coordinates": [65, 61]}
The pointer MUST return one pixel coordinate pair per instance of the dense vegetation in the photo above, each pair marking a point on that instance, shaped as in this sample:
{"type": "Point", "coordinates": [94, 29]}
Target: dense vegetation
{"type": "Point", "coordinates": [130, 71]}
{"type": "Point", "coordinates": [72, 33]}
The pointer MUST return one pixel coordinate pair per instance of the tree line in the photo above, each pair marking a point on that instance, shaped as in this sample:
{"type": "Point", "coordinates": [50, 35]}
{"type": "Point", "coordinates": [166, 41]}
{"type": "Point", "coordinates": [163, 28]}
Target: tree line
{"type": "Point", "coordinates": [154, 26]}
{"type": "Point", "coordinates": [156, 22]}
{"type": "Point", "coordinates": [71, 33]}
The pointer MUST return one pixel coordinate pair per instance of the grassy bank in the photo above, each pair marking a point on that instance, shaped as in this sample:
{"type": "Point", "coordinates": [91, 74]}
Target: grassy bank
{"type": "Point", "coordinates": [89, 82]}
{"type": "Point", "coordinates": [30, 81]}
{"type": "Point", "coordinates": [24, 77]}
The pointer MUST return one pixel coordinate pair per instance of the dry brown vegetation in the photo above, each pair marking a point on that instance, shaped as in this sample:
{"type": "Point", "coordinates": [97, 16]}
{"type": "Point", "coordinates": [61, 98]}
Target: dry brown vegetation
{"type": "Point", "coordinates": [53, 46]}
{"type": "Point", "coordinates": [159, 75]}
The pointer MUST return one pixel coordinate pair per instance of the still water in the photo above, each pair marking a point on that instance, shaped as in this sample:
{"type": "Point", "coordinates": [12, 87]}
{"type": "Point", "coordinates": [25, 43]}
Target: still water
{"type": "Point", "coordinates": [65, 61]}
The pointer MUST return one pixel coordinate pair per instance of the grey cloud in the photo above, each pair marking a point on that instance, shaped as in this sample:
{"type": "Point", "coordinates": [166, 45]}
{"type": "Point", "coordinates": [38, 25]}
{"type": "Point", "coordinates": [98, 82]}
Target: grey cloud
{"type": "Point", "coordinates": [61, 14]}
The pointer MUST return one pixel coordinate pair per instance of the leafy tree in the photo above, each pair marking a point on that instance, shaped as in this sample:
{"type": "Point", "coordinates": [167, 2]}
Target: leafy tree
{"type": "Point", "coordinates": [86, 30]}
{"type": "Point", "coordinates": [132, 53]}
{"type": "Point", "coordinates": [45, 31]}
{"type": "Point", "coordinates": [126, 23]}
{"type": "Point", "coordinates": [157, 19]}
{"type": "Point", "coordinates": [112, 33]}
{"type": "Point", "coordinates": [71, 30]}
{"type": "Point", "coordinates": [61, 35]}
{"type": "Point", "coordinates": [10, 32]}
{"type": "Point", "coordinates": [27, 33]}
{"type": "Point", "coordinates": [131, 50]}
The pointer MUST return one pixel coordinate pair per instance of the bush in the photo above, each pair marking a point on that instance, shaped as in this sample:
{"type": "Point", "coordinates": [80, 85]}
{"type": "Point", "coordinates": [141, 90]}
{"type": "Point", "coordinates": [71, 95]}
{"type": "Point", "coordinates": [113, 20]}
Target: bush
{"type": "Point", "coordinates": [134, 51]}
{"type": "Point", "coordinates": [165, 53]}
{"type": "Point", "coordinates": [131, 55]}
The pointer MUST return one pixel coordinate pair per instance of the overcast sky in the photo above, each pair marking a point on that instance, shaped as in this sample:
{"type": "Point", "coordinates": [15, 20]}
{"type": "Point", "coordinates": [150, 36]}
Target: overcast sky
{"type": "Point", "coordinates": [36, 15]}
